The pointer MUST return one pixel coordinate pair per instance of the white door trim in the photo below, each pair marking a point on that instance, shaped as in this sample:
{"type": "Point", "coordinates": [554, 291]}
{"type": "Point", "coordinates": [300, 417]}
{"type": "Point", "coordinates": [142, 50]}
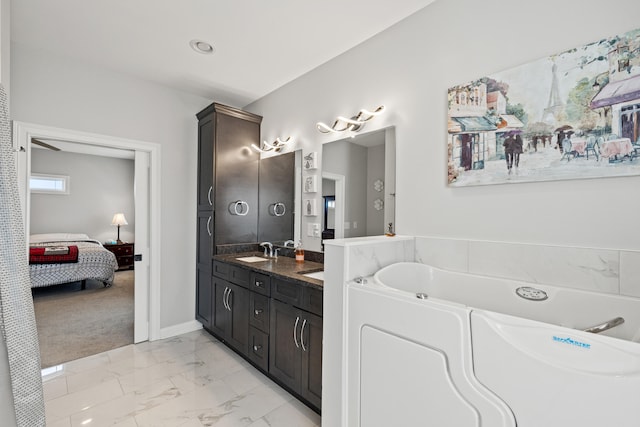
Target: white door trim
{"type": "Point", "coordinates": [341, 184]}
{"type": "Point", "coordinates": [22, 135]}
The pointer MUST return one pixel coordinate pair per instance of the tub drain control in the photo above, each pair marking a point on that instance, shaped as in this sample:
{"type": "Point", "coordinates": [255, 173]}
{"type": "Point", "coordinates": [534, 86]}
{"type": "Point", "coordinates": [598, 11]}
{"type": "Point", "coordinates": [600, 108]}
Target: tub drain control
{"type": "Point", "coordinates": [421, 295]}
{"type": "Point", "coordinates": [532, 294]}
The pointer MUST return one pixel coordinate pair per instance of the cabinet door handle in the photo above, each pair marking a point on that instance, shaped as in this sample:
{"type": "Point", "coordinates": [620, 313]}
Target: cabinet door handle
{"type": "Point", "coordinates": [278, 209]}
{"type": "Point", "coordinates": [209, 226]}
{"type": "Point", "coordinates": [257, 347]}
{"type": "Point", "coordinates": [239, 207]}
{"type": "Point", "coordinates": [225, 299]}
{"type": "Point", "coordinates": [295, 329]}
{"type": "Point", "coordinates": [257, 312]}
{"type": "Point", "coordinates": [229, 299]}
{"type": "Point", "coordinates": [209, 196]}
{"type": "Point", "coordinates": [304, 323]}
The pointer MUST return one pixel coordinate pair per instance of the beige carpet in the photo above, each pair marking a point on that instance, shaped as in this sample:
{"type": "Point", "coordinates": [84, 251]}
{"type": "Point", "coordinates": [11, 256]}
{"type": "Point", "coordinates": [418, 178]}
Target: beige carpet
{"type": "Point", "coordinates": [74, 323]}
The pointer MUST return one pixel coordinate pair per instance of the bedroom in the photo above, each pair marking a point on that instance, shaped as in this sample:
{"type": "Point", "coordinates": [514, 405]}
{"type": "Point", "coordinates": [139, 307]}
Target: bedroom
{"type": "Point", "coordinates": [85, 317]}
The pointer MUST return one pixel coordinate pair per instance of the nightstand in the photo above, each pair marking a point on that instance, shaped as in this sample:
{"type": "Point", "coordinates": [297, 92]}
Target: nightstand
{"type": "Point", "coordinates": [123, 253]}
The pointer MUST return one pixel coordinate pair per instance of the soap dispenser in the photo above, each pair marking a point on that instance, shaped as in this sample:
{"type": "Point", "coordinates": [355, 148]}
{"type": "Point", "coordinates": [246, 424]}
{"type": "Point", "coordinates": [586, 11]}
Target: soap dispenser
{"type": "Point", "coordinates": [299, 252]}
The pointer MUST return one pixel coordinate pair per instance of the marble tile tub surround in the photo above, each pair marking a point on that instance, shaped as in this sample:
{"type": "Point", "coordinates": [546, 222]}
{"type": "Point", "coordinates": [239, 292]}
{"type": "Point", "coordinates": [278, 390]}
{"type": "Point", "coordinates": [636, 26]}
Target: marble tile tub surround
{"type": "Point", "coordinates": [367, 255]}
{"type": "Point", "coordinates": [600, 270]}
{"type": "Point", "coordinates": [190, 380]}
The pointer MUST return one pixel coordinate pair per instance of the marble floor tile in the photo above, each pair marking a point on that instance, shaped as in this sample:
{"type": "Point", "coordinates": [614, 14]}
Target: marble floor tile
{"type": "Point", "coordinates": [187, 381]}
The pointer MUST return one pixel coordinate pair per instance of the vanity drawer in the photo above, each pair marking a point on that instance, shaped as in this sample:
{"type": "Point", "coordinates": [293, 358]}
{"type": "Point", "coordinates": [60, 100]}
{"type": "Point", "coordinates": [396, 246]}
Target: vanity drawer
{"type": "Point", "coordinates": [221, 270]}
{"type": "Point", "coordinates": [260, 283]}
{"type": "Point", "coordinates": [259, 311]}
{"type": "Point", "coordinates": [259, 348]}
{"type": "Point", "coordinates": [313, 300]}
{"type": "Point", "coordinates": [240, 276]}
{"type": "Point", "coordinates": [286, 291]}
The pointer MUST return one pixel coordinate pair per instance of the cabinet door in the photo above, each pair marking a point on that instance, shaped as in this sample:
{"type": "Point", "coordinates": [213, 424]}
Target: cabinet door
{"type": "Point", "coordinates": [220, 316]}
{"type": "Point", "coordinates": [238, 332]}
{"type": "Point", "coordinates": [203, 297]}
{"type": "Point", "coordinates": [236, 182]}
{"type": "Point", "coordinates": [284, 344]}
{"type": "Point", "coordinates": [204, 238]}
{"type": "Point", "coordinates": [205, 162]}
{"type": "Point", "coordinates": [311, 344]}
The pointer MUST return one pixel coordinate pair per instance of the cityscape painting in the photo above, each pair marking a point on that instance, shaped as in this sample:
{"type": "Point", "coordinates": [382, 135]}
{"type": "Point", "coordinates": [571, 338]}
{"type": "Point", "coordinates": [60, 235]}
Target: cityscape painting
{"type": "Point", "coordinates": [572, 115]}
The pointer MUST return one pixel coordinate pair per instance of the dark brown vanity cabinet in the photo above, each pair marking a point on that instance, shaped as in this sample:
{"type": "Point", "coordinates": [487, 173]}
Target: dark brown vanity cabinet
{"type": "Point", "coordinates": [240, 310]}
{"type": "Point", "coordinates": [227, 201]}
{"type": "Point", "coordinates": [274, 323]}
{"type": "Point", "coordinates": [295, 357]}
{"type": "Point", "coordinates": [229, 320]}
{"type": "Point", "coordinates": [295, 349]}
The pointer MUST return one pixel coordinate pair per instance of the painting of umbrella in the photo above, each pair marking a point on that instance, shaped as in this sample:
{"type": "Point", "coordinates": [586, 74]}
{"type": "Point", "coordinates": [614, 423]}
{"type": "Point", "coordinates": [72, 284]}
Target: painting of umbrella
{"type": "Point", "coordinates": [572, 115]}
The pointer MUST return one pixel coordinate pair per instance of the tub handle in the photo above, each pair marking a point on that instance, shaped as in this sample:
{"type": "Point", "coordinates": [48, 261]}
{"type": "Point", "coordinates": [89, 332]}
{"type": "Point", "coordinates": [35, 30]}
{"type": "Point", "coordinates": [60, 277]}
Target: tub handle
{"type": "Point", "coordinates": [295, 329]}
{"type": "Point", "coordinates": [605, 326]}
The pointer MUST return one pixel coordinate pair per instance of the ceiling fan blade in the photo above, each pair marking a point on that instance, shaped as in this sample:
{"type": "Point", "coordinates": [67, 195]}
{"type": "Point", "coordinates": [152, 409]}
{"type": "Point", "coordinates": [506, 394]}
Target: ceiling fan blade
{"type": "Point", "coordinates": [44, 144]}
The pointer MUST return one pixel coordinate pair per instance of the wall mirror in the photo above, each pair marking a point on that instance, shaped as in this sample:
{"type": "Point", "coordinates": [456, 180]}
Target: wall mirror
{"type": "Point", "coordinates": [356, 189]}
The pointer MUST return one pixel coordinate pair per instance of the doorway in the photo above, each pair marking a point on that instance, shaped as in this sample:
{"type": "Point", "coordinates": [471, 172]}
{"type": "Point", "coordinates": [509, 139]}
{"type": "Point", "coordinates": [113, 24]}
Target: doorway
{"type": "Point", "coordinates": [147, 208]}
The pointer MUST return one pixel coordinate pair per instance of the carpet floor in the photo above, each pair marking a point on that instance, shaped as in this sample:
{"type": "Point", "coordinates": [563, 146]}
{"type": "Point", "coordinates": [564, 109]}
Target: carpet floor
{"type": "Point", "coordinates": [74, 323]}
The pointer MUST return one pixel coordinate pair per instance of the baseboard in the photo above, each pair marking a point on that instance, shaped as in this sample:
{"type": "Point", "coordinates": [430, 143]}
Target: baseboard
{"type": "Point", "coordinates": [180, 329]}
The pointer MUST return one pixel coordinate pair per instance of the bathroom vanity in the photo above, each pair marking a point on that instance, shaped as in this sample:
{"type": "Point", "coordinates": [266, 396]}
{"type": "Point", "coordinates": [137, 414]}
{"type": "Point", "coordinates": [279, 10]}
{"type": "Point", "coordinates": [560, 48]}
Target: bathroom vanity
{"type": "Point", "coordinates": [269, 310]}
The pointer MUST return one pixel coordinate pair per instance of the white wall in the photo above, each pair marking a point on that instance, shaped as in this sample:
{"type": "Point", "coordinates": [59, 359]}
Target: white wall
{"type": "Point", "coordinates": [56, 91]}
{"type": "Point", "coordinates": [375, 171]}
{"type": "Point", "coordinates": [409, 69]}
{"type": "Point", "coordinates": [100, 187]}
{"type": "Point", "coordinates": [5, 44]}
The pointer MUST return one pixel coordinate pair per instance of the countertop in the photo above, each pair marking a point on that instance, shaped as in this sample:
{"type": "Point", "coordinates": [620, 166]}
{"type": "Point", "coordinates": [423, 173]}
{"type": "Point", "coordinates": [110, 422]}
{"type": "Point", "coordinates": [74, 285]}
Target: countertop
{"type": "Point", "coordinates": [283, 267]}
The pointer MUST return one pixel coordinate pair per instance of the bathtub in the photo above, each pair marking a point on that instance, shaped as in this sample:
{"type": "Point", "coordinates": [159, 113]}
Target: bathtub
{"type": "Point", "coordinates": [431, 347]}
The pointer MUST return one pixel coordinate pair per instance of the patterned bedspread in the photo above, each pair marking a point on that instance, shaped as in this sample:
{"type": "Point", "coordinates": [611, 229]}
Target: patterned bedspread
{"type": "Point", "coordinates": [94, 262]}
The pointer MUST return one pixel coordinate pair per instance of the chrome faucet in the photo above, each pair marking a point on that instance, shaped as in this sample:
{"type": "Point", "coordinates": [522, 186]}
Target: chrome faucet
{"type": "Point", "coordinates": [293, 244]}
{"type": "Point", "coordinates": [266, 245]}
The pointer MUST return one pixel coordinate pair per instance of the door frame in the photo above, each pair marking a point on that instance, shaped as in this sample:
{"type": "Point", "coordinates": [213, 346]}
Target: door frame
{"type": "Point", "coordinates": [23, 133]}
{"type": "Point", "coordinates": [341, 185]}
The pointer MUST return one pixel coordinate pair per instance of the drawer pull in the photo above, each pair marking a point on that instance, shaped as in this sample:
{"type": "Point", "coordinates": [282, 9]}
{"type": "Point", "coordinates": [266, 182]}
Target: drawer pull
{"type": "Point", "coordinates": [259, 284]}
{"type": "Point", "coordinates": [257, 347]}
{"type": "Point", "coordinates": [257, 312]}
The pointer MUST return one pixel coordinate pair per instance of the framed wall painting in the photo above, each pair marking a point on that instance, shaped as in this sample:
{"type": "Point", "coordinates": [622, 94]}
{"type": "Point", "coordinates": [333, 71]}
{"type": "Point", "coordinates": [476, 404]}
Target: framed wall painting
{"type": "Point", "coordinates": [311, 184]}
{"type": "Point", "coordinates": [572, 115]}
{"type": "Point", "coordinates": [309, 207]}
{"type": "Point", "coordinates": [310, 161]}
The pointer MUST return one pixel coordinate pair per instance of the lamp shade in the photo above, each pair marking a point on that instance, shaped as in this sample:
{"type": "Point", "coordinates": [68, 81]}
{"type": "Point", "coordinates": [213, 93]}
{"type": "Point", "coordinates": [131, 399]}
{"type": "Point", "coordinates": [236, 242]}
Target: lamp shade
{"type": "Point", "coordinates": [119, 219]}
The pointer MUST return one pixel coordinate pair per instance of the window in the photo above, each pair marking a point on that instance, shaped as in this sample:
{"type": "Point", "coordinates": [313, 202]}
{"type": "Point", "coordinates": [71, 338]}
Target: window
{"type": "Point", "coordinates": [49, 184]}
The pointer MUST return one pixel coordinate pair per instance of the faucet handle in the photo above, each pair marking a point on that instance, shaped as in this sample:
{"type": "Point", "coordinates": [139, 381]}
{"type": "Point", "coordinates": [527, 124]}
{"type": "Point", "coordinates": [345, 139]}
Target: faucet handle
{"type": "Point", "coordinates": [275, 252]}
{"type": "Point", "coordinates": [266, 245]}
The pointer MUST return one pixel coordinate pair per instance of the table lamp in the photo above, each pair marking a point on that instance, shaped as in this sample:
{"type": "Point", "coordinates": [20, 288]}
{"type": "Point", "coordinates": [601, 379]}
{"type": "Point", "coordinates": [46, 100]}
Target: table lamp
{"type": "Point", "coordinates": [119, 219]}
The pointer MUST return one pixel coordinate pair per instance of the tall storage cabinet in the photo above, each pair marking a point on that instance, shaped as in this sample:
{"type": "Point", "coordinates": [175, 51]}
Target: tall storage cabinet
{"type": "Point", "coordinates": [227, 192]}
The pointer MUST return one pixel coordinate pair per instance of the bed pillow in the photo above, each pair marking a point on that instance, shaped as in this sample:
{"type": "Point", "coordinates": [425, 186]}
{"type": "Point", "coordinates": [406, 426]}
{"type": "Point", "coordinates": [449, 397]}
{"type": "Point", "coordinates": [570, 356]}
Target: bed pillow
{"type": "Point", "coordinates": [57, 237]}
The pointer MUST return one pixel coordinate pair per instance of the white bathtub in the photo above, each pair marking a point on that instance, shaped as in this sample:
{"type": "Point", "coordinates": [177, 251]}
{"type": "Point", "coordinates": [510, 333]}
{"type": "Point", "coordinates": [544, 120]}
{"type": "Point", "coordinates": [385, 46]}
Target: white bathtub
{"type": "Point", "coordinates": [475, 353]}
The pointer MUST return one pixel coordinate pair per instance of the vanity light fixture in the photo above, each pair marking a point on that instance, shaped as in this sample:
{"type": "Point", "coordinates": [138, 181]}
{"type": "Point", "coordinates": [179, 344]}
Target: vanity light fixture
{"type": "Point", "coordinates": [276, 146]}
{"type": "Point", "coordinates": [354, 124]}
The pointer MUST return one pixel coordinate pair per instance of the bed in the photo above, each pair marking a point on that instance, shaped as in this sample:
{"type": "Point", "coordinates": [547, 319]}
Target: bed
{"type": "Point", "coordinates": [92, 261]}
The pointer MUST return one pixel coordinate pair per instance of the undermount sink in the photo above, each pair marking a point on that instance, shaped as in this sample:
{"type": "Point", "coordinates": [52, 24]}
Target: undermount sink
{"type": "Point", "coordinates": [251, 259]}
{"type": "Point", "coordinates": [318, 275]}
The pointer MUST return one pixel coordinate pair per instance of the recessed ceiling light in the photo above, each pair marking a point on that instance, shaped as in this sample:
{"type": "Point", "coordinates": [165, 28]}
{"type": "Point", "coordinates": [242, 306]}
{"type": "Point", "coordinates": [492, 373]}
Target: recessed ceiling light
{"type": "Point", "coordinates": [201, 47]}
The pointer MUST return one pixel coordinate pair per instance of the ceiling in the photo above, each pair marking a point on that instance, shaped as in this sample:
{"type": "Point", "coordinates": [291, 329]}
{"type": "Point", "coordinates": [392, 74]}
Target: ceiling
{"type": "Point", "coordinates": [259, 45]}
